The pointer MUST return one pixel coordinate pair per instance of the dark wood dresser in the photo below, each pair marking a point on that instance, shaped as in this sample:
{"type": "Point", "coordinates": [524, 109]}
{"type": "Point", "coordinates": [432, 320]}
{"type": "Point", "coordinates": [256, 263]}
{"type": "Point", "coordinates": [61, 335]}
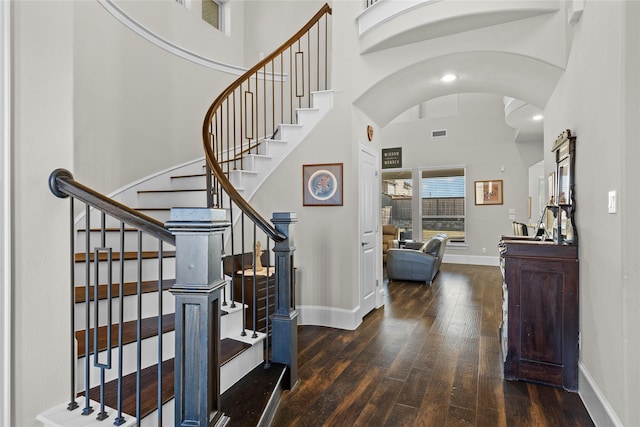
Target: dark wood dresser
{"type": "Point", "coordinates": [261, 299]}
{"type": "Point", "coordinates": [539, 332]}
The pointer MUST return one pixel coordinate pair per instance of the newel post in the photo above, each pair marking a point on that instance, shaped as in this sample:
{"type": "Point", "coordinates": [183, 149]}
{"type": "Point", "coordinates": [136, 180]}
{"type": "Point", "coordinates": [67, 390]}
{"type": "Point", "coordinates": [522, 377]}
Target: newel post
{"type": "Point", "coordinates": [284, 321]}
{"type": "Point", "coordinates": [199, 281]}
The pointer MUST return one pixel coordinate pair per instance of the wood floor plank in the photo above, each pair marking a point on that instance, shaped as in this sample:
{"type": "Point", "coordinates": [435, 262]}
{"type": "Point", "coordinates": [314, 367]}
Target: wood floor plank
{"type": "Point", "coordinates": [430, 357]}
{"type": "Point", "coordinates": [381, 402]}
{"type": "Point", "coordinates": [414, 388]}
{"type": "Point", "coordinates": [401, 415]}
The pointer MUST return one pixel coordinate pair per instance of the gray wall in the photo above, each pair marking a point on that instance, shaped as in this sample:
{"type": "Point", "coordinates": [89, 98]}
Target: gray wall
{"type": "Point", "coordinates": [42, 141]}
{"type": "Point", "coordinates": [477, 138]}
{"type": "Point", "coordinates": [597, 99]}
{"type": "Point", "coordinates": [133, 97]}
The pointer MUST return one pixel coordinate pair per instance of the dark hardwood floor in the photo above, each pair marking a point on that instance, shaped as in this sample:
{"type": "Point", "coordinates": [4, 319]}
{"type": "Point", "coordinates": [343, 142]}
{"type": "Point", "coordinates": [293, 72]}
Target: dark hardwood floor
{"type": "Point", "coordinates": [430, 357]}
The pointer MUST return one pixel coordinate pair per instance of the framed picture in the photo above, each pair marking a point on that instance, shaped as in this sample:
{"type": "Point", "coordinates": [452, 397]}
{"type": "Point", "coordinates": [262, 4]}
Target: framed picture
{"type": "Point", "coordinates": [488, 192]}
{"type": "Point", "coordinates": [322, 184]}
{"type": "Point", "coordinates": [551, 183]}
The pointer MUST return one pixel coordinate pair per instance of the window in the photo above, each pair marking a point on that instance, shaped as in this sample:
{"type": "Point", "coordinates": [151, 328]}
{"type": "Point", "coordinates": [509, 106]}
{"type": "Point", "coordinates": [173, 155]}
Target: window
{"type": "Point", "coordinates": [212, 12]}
{"type": "Point", "coordinates": [443, 203]}
{"type": "Point", "coordinates": [397, 195]}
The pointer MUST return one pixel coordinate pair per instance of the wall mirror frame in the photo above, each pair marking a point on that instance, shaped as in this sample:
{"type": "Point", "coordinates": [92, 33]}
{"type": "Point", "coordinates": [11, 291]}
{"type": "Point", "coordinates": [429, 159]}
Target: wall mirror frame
{"type": "Point", "coordinates": [564, 149]}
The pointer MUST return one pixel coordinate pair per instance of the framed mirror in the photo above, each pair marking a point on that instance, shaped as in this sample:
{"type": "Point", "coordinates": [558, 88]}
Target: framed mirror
{"type": "Point", "coordinates": [564, 150]}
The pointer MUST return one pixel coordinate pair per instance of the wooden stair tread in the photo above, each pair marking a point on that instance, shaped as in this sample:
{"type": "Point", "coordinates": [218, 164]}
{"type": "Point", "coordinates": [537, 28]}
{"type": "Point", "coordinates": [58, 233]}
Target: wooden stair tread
{"type": "Point", "coordinates": [230, 348]}
{"type": "Point", "coordinates": [193, 175]}
{"type": "Point", "coordinates": [148, 327]}
{"type": "Point", "coordinates": [129, 288]}
{"type": "Point", "coordinates": [170, 191]}
{"type": "Point", "coordinates": [149, 384]}
{"type": "Point", "coordinates": [127, 256]}
{"type": "Point", "coordinates": [107, 229]}
{"type": "Point", "coordinates": [246, 401]}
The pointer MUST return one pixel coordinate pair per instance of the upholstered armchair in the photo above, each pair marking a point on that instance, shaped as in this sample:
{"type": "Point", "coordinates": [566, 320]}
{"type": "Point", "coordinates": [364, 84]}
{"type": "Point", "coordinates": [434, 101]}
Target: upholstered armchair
{"type": "Point", "coordinates": [389, 237]}
{"type": "Point", "coordinates": [417, 261]}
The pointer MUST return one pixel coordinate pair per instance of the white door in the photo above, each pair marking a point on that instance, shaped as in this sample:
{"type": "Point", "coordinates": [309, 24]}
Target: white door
{"type": "Point", "coordinates": [369, 196]}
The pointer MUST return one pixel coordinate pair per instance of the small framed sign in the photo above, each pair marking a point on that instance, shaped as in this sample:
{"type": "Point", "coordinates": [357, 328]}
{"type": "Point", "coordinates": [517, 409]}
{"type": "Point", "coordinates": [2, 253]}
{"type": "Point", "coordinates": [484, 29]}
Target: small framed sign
{"type": "Point", "coordinates": [391, 158]}
{"type": "Point", "coordinates": [489, 192]}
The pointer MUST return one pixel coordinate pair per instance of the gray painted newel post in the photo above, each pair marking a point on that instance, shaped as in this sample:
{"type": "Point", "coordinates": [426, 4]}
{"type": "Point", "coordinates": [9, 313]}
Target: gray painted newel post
{"type": "Point", "coordinates": [197, 289]}
{"type": "Point", "coordinates": [284, 322]}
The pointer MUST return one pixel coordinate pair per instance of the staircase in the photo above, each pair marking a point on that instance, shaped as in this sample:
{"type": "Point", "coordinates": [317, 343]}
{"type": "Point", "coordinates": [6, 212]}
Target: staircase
{"type": "Point", "coordinates": [159, 294]}
{"type": "Point", "coordinates": [183, 186]}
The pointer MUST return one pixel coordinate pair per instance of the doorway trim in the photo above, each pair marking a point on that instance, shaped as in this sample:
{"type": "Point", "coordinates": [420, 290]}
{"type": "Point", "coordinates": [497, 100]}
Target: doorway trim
{"type": "Point", "coordinates": [5, 214]}
{"type": "Point", "coordinates": [379, 288]}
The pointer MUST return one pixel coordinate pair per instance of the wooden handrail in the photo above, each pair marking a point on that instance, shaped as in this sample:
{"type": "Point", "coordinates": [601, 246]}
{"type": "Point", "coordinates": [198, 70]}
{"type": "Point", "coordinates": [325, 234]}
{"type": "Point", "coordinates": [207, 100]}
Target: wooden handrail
{"type": "Point", "coordinates": [62, 185]}
{"type": "Point", "coordinates": [225, 96]}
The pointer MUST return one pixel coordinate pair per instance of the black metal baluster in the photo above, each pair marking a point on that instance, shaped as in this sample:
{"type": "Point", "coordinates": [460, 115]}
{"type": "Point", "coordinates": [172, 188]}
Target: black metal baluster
{"type": "Point", "coordinates": [267, 359]}
{"type": "Point", "coordinates": [233, 254]}
{"type": "Point", "coordinates": [160, 328]}
{"type": "Point", "coordinates": [244, 307]}
{"type": "Point", "coordinates": [119, 418]}
{"type": "Point", "coordinates": [255, 282]}
{"type": "Point", "coordinates": [72, 401]}
{"type": "Point", "coordinates": [96, 327]}
{"type": "Point", "coordinates": [87, 301]}
{"type": "Point", "coordinates": [96, 298]}
{"type": "Point", "coordinates": [139, 329]}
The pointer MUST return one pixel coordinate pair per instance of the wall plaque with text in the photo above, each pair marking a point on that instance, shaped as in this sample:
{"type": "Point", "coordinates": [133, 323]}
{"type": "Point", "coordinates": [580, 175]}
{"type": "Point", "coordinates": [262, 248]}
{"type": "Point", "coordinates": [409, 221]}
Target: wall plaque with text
{"type": "Point", "coordinates": [391, 158]}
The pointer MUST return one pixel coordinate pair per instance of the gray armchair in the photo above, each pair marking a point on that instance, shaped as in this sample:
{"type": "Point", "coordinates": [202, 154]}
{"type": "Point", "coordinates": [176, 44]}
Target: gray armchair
{"type": "Point", "coordinates": [417, 261]}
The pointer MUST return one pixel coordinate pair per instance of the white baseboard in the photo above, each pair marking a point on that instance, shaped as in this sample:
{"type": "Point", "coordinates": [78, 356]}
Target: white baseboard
{"type": "Point", "coordinates": [597, 405]}
{"type": "Point", "coordinates": [493, 261]}
{"type": "Point", "coordinates": [329, 316]}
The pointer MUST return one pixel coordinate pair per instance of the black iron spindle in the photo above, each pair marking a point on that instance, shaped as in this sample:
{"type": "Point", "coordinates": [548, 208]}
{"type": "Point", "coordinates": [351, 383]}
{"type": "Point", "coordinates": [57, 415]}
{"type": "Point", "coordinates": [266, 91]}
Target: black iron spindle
{"type": "Point", "coordinates": [255, 282]}
{"type": "Point", "coordinates": [244, 306]}
{"type": "Point", "coordinates": [160, 326]}
{"type": "Point", "coordinates": [139, 329]}
{"type": "Point", "coordinates": [87, 298]}
{"type": "Point", "coordinates": [119, 418]}
{"type": "Point", "coordinates": [72, 400]}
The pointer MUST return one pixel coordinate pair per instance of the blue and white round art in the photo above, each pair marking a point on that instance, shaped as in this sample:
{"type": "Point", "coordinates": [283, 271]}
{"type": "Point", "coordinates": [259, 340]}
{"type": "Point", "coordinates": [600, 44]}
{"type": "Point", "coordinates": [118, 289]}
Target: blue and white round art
{"type": "Point", "coordinates": [322, 185]}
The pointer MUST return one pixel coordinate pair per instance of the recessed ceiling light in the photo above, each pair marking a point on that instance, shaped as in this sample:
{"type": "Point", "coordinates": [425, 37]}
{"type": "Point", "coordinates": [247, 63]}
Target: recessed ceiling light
{"type": "Point", "coordinates": [448, 78]}
{"type": "Point", "coordinates": [538, 117]}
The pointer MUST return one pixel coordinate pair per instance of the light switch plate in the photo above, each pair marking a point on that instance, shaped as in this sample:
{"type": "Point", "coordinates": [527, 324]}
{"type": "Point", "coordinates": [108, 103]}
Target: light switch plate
{"type": "Point", "coordinates": [612, 202]}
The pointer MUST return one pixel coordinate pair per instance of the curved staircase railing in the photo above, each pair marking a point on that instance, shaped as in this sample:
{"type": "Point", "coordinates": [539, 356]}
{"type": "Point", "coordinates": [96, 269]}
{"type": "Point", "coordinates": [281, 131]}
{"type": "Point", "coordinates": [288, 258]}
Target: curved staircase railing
{"type": "Point", "coordinates": [257, 103]}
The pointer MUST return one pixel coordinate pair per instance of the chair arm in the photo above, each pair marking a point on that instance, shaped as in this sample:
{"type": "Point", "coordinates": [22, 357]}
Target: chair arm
{"type": "Point", "coordinates": [409, 264]}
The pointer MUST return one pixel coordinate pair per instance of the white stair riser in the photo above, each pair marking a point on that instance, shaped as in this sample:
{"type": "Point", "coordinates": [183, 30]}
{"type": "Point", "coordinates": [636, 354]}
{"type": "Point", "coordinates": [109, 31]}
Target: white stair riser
{"type": "Point", "coordinates": [169, 199]}
{"type": "Point", "coordinates": [149, 270]}
{"type": "Point", "coordinates": [292, 132]}
{"type": "Point", "coordinates": [196, 182]}
{"type": "Point", "coordinates": [238, 178]}
{"type": "Point", "coordinates": [259, 164]}
{"type": "Point", "coordinates": [273, 147]}
{"type": "Point", "coordinates": [240, 366]}
{"type": "Point", "coordinates": [231, 323]}
{"type": "Point", "coordinates": [112, 240]}
{"type": "Point", "coordinates": [149, 357]}
{"type": "Point", "coordinates": [168, 411]}
{"type": "Point", "coordinates": [130, 304]}
{"type": "Point", "coordinates": [307, 116]}
{"type": "Point", "coordinates": [161, 215]}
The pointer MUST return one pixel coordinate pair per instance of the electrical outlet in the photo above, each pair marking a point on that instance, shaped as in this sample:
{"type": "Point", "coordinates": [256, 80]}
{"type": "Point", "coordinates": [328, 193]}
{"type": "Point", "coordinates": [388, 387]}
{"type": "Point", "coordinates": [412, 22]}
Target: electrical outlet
{"type": "Point", "coordinates": [484, 250]}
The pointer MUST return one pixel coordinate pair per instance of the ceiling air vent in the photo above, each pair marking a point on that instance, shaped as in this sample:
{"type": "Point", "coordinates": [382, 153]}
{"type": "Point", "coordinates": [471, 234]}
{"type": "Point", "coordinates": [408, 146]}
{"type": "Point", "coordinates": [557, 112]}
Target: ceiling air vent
{"type": "Point", "coordinates": [438, 133]}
